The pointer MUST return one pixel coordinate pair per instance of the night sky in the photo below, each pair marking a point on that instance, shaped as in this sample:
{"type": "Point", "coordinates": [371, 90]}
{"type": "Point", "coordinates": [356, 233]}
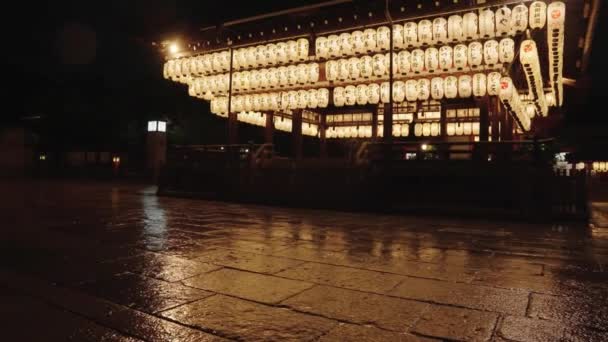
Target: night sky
{"type": "Point", "coordinates": [89, 69]}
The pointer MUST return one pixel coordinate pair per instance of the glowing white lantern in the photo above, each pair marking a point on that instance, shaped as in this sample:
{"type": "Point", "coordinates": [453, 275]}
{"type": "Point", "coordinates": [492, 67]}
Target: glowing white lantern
{"type": "Point", "coordinates": [346, 44]}
{"type": "Point", "coordinates": [282, 55]}
{"type": "Point", "coordinates": [486, 23]}
{"type": "Point", "coordinates": [225, 60]}
{"type": "Point", "coordinates": [398, 91]}
{"type": "Point", "coordinates": [273, 78]}
{"type": "Point", "coordinates": [503, 21]}
{"type": "Point", "coordinates": [292, 75]}
{"type": "Point", "coordinates": [302, 72]}
{"type": "Point", "coordinates": [251, 56]}
{"type": "Point", "coordinates": [445, 58]}
{"type": "Point", "coordinates": [323, 97]}
{"type": "Point", "coordinates": [303, 99]}
{"type": "Point", "coordinates": [479, 84]}
{"type": "Point", "coordinates": [331, 70]}
{"type": "Point", "coordinates": [425, 32]}
{"type": "Point", "coordinates": [354, 70]}
{"type": "Point", "coordinates": [431, 59]}
{"type": "Point", "coordinates": [313, 73]}
{"type": "Point", "coordinates": [313, 99]}
{"type": "Point", "coordinates": [302, 49]}
{"type": "Point", "coordinates": [417, 61]}
{"type": "Point", "coordinates": [274, 100]}
{"type": "Point", "coordinates": [464, 86]}
{"type": "Point", "coordinates": [264, 79]}
{"type": "Point", "coordinates": [405, 130]}
{"type": "Point", "coordinates": [373, 93]}
{"type": "Point", "coordinates": [254, 79]}
{"type": "Point", "coordinates": [455, 28]}
{"type": "Point", "coordinates": [490, 52]}
{"type": "Point", "coordinates": [556, 12]}
{"type": "Point", "coordinates": [379, 65]}
{"type": "Point", "coordinates": [257, 102]}
{"type": "Point", "coordinates": [396, 130]}
{"type": "Point", "coordinates": [283, 74]}
{"type": "Point", "coordinates": [450, 87]}
{"type": "Point", "coordinates": [493, 83]}
{"type": "Point", "coordinates": [383, 40]}
{"type": "Point", "coordinates": [343, 69]}
{"type": "Point", "coordinates": [435, 129]}
{"type": "Point", "coordinates": [459, 128]}
{"type": "Point", "coordinates": [426, 129]}
{"type": "Point", "coordinates": [350, 95]}
{"type": "Point", "coordinates": [369, 39]}
{"type": "Point", "coordinates": [284, 105]}
{"type": "Point", "coordinates": [437, 88]}
{"type": "Point", "coordinates": [271, 54]}
{"type": "Point", "coordinates": [550, 98]}
{"type": "Point", "coordinates": [411, 90]}
{"type": "Point", "coordinates": [265, 100]}
{"type": "Point", "coordinates": [333, 43]}
{"type": "Point", "coordinates": [424, 90]}
{"type": "Point", "coordinates": [403, 59]}
{"type": "Point", "coordinates": [292, 50]}
{"type": "Point", "coordinates": [385, 92]}
{"type": "Point", "coordinates": [362, 94]}
{"type": "Point", "coordinates": [245, 80]}
{"type": "Point", "coordinates": [530, 62]}
{"type": "Point", "coordinates": [467, 128]}
{"type": "Point", "coordinates": [460, 57]}
{"type": "Point", "coordinates": [451, 128]}
{"type": "Point", "coordinates": [358, 44]}
{"type": "Point", "coordinates": [475, 128]}
{"type": "Point", "coordinates": [410, 34]}
{"type": "Point", "coordinates": [537, 15]}
{"type": "Point", "coordinates": [519, 18]}
{"type": "Point", "coordinates": [469, 25]}
{"type": "Point", "coordinates": [321, 47]}
{"type": "Point", "coordinates": [440, 30]}
{"type": "Point", "coordinates": [395, 63]}
{"type": "Point", "coordinates": [506, 88]}
{"type": "Point", "coordinates": [475, 54]}
{"type": "Point", "coordinates": [260, 55]}
{"type": "Point", "coordinates": [418, 129]}
{"type": "Point", "coordinates": [506, 50]}
{"type": "Point", "coordinates": [339, 99]}
{"type": "Point", "coordinates": [216, 62]}
{"type": "Point", "coordinates": [398, 36]}
{"type": "Point", "coordinates": [293, 99]}
{"type": "Point", "coordinates": [241, 56]}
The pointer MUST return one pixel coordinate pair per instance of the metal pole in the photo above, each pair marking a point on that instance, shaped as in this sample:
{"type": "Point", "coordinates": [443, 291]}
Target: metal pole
{"type": "Point", "coordinates": [232, 117]}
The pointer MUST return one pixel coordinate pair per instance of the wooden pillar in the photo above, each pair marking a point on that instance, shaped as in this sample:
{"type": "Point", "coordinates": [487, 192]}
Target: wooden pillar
{"type": "Point", "coordinates": [375, 123]}
{"type": "Point", "coordinates": [503, 118]}
{"type": "Point", "coordinates": [495, 118]}
{"type": "Point", "coordinates": [387, 123]}
{"type": "Point", "coordinates": [269, 130]}
{"type": "Point", "coordinates": [322, 139]}
{"type": "Point", "coordinates": [443, 119]}
{"type": "Point", "coordinates": [296, 133]}
{"type": "Point", "coordinates": [233, 129]}
{"type": "Point", "coordinates": [484, 118]}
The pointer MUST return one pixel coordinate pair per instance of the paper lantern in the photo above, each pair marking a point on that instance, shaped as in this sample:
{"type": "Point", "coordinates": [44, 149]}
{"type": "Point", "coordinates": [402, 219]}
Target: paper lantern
{"type": "Point", "coordinates": [411, 90]}
{"type": "Point", "coordinates": [470, 25]}
{"type": "Point", "coordinates": [339, 99]}
{"type": "Point", "coordinates": [257, 102]}
{"type": "Point", "coordinates": [302, 49]}
{"type": "Point", "coordinates": [479, 84]}
{"type": "Point", "coordinates": [271, 54]}
{"type": "Point", "coordinates": [455, 28]}
{"type": "Point", "coordinates": [417, 61]}
{"type": "Point", "coordinates": [464, 86]}
{"type": "Point", "coordinates": [274, 101]}
{"type": "Point", "coordinates": [331, 70]}
{"type": "Point", "coordinates": [292, 50]}
{"type": "Point", "coordinates": [475, 128]}
{"type": "Point", "coordinates": [445, 58]}
{"type": "Point", "coordinates": [225, 82]}
{"type": "Point", "coordinates": [284, 105]}
{"type": "Point", "coordinates": [260, 55]}
{"type": "Point", "coordinates": [245, 80]}
{"type": "Point", "coordinates": [506, 50]}
{"type": "Point", "coordinates": [426, 129]}
{"type": "Point", "coordinates": [493, 85]}
{"type": "Point", "coordinates": [379, 65]}
{"type": "Point", "coordinates": [425, 32]}
{"type": "Point", "coordinates": [475, 55]}
{"type": "Point", "coordinates": [450, 87]}
{"type": "Point", "coordinates": [395, 63]}
{"type": "Point", "coordinates": [383, 40]}
{"type": "Point", "coordinates": [451, 128]}
{"type": "Point", "coordinates": [410, 34]}
{"type": "Point", "coordinates": [251, 56]}
{"type": "Point", "coordinates": [354, 71]}
{"type": "Point", "coordinates": [398, 91]}
{"type": "Point", "coordinates": [346, 44]}
{"type": "Point", "coordinates": [396, 130]}
{"type": "Point", "coordinates": [373, 93]}
{"type": "Point", "coordinates": [461, 52]}
{"type": "Point", "coordinates": [273, 78]}
{"type": "Point", "coordinates": [343, 69]}
{"type": "Point", "coordinates": [486, 23]}
{"type": "Point", "coordinates": [358, 41]}
{"type": "Point", "coordinates": [437, 88]}
{"type": "Point", "coordinates": [431, 59]}
{"type": "Point", "coordinates": [459, 128]}
{"type": "Point", "coordinates": [490, 52]}
{"type": "Point", "coordinates": [403, 59]}
{"type": "Point", "coordinates": [362, 94]}
{"type": "Point", "coordinates": [292, 75]}
{"type": "Point", "coordinates": [556, 15]}
{"type": "Point", "coordinates": [519, 18]}
{"type": "Point", "coordinates": [528, 55]}
{"type": "Point", "coordinates": [321, 47]}
{"type": "Point", "coordinates": [440, 30]}
{"type": "Point", "coordinates": [254, 79]}
{"type": "Point", "coordinates": [238, 103]}
{"type": "Point", "coordinates": [503, 21]}
{"type": "Point", "coordinates": [302, 73]}
{"type": "Point", "coordinates": [405, 130]}
{"type": "Point", "coordinates": [313, 99]}
{"type": "Point", "coordinates": [367, 67]}
{"type": "Point", "coordinates": [369, 40]}
{"type": "Point", "coordinates": [350, 95]}
{"type": "Point", "coordinates": [550, 99]}
{"type": "Point", "coordinates": [467, 128]}
{"type": "Point", "coordinates": [216, 61]}
{"type": "Point", "coordinates": [333, 43]}
{"type": "Point", "coordinates": [283, 73]}
{"type": "Point", "coordinates": [313, 73]}
{"type": "Point", "coordinates": [385, 92]}
{"type": "Point", "coordinates": [418, 129]}
{"type": "Point", "coordinates": [241, 58]}
{"type": "Point", "coordinates": [424, 90]}
{"type": "Point", "coordinates": [435, 129]}
{"type": "Point", "coordinates": [398, 36]}
{"type": "Point", "coordinates": [537, 15]}
{"type": "Point", "coordinates": [507, 90]}
{"type": "Point", "coordinates": [323, 97]}
{"type": "Point", "coordinates": [265, 100]}
{"type": "Point", "coordinates": [264, 78]}
{"type": "Point", "coordinates": [293, 99]}
{"type": "Point", "coordinates": [303, 99]}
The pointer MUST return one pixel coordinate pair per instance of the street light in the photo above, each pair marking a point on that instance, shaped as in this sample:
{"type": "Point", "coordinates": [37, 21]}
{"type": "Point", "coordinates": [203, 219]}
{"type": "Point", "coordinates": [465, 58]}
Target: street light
{"type": "Point", "coordinates": [173, 48]}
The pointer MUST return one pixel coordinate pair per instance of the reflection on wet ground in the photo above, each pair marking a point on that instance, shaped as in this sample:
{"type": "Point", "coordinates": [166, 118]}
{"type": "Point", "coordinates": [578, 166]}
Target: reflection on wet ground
{"type": "Point", "coordinates": [110, 262]}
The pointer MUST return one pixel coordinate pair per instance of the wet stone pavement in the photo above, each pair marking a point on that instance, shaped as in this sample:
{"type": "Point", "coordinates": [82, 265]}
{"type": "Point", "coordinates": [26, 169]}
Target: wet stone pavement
{"type": "Point", "coordinates": [106, 262]}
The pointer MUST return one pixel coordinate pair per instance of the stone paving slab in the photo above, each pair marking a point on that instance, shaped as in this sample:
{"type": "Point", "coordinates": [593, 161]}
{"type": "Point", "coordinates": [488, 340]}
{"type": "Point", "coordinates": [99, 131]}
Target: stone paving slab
{"type": "Point", "coordinates": [359, 307]}
{"type": "Point", "coordinates": [467, 295]}
{"type": "Point", "coordinates": [591, 312]}
{"type": "Point", "coordinates": [528, 329]}
{"type": "Point", "coordinates": [240, 319]}
{"type": "Point", "coordinates": [456, 324]}
{"type": "Point", "coordinates": [247, 261]}
{"type": "Point", "coordinates": [359, 333]}
{"type": "Point", "coordinates": [253, 286]}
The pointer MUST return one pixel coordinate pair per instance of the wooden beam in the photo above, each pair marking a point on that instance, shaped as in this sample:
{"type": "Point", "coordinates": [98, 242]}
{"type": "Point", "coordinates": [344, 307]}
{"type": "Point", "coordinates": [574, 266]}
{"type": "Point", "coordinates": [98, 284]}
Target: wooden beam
{"type": "Point", "coordinates": [233, 129]}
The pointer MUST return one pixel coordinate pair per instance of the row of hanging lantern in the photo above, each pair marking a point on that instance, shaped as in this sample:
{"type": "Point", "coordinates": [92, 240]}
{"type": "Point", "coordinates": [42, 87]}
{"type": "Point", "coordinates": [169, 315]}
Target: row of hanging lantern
{"type": "Point", "coordinates": [600, 166]}
{"type": "Point", "coordinates": [455, 28]}
{"type": "Point", "coordinates": [419, 62]}
{"type": "Point", "coordinates": [219, 106]}
{"type": "Point", "coordinates": [290, 51]}
{"type": "Point", "coordinates": [556, 14]}
{"type": "Point", "coordinates": [528, 55]}
{"type": "Point", "coordinates": [294, 99]}
{"type": "Point", "coordinates": [422, 89]}
{"type": "Point", "coordinates": [252, 118]}
{"type": "Point", "coordinates": [512, 101]}
{"type": "Point", "coordinates": [462, 128]}
{"type": "Point", "coordinates": [310, 129]}
{"type": "Point", "coordinates": [421, 129]}
{"type": "Point", "coordinates": [361, 131]}
{"type": "Point", "coordinates": [272, 78]}
{"type": "Point", "coordinates": [282, 124]}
